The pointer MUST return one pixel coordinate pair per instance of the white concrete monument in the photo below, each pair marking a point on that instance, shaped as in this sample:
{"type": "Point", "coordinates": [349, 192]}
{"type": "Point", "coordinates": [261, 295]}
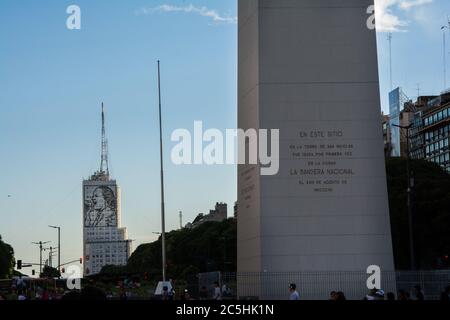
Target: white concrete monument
{"type": "Point", "coordinates": [309, 68]}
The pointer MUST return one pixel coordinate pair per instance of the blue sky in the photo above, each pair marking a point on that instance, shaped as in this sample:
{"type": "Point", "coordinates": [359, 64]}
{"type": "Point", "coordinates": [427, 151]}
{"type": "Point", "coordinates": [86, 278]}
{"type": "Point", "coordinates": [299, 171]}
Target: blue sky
{"type": "Point", "coordinates": [53, 81]}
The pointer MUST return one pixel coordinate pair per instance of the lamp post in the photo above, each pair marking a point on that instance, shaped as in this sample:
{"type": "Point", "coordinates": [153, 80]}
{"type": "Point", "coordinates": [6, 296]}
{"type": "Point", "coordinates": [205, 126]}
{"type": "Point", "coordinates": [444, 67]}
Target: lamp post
{"type": "Point", "coordinates": [59, 244]}
{"type": "Point", "coordinates": [410, 184]}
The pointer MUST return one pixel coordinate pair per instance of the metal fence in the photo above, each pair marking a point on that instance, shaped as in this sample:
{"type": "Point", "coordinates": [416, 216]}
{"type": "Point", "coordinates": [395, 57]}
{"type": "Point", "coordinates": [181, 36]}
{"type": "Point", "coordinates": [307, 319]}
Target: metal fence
{"type": "Point", "coordinates": [318, 285]}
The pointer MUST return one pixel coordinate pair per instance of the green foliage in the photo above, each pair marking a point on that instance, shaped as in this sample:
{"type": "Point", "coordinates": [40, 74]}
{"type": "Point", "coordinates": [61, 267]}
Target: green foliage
{"type": "Point", "coordinates": [50, 272]}
{"type": "Point", "coordinates": [210, 246]}
{"type": "Point", "coordinates": [430, 209]}
{"type": "Point", "coordinates": [113, 271]}
{"type": "Point", "coordinates": [7, 260]}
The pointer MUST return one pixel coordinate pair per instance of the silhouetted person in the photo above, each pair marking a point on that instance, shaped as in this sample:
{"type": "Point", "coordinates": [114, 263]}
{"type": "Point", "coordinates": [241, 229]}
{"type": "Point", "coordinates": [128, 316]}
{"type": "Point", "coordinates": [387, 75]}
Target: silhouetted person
{"type": "Point", "coordinates": [92, 294]}
{"type": "Point", "coordinates": [340, 296]}
{"type": "Point", "coordinates": [203, 293]}
{"type": "Point", "coordinates": [72, 295]}
{"type": "Point", "coordinates": [390, 296]}
{"type": "Point", "coordinates": [333, 295]}
{"type": "Point", "coordinates": [217, 292]}
{"type": "Point", "coordinates": [445, 296]}
{"type": "Point", "coordinates": [165, 293]}
{"type": "Point", "coordinates": [293, 292]}
{"type": "Point", "coordinates": [21, 295]}
{"type": "Point", "coordinates": [372, 295]}
{"type": "Point", "coordinates": [403, 295]}
{"type": "Point", "coordinates": [419, 293]}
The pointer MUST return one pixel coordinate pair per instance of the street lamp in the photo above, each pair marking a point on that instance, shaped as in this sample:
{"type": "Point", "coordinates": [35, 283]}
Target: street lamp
{"type": "Point", "coordinates": [408, 195]}
{"type": "Point", "coordinates": [59, 244]}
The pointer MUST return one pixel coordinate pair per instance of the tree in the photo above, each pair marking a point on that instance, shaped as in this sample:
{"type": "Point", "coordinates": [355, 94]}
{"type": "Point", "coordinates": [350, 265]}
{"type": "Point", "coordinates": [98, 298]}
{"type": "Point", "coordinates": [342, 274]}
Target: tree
{"type": "Point", "coordinates": [430, 211]}
{"type": "Point", "coordinates": [208, 247]}
{"type": "Point", "coordinates": [7, 260]}
{"type": "Point", "coordinates": [50, 272]}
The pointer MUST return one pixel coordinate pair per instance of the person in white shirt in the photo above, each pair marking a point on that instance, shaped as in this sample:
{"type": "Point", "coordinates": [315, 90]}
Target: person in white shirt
{"type": "Point", "coordinates": [21, 296]}
{"type": "Point", "coordinates": [293, 292]}
{"type": "Point", "coordinates": [217, 292]}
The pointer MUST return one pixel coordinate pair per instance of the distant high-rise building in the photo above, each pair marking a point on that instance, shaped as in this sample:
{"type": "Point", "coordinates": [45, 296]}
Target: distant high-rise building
{"type": "Point", "coordinates": [397, 100]}
{"type": "Point", "coordinates": [105, 242]}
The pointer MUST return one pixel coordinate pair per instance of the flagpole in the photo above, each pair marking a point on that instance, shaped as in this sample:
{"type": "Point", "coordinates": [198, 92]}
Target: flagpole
{"type": "Point", "coordinates": [163, 218]}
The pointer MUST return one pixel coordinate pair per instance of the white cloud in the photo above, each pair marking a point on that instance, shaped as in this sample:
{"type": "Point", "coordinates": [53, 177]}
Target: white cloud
{"type": "Point", "coordinates": [406, 5]}
{"type": "Point", "coordinates": [388, 13]}
{"type": "Point", "coordinates": [387, 20]}
{"type": "Point", "coordinates": [202, 11]}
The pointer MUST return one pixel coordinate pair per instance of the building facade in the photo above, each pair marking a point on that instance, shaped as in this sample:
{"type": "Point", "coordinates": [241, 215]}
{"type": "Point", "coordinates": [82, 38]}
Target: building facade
{"type": "Point", "coordinates": [430, 132]}
{"type": "Point", "coordinates": [218, 214]}
{"type": "Point", "coordinates": [105, 241]}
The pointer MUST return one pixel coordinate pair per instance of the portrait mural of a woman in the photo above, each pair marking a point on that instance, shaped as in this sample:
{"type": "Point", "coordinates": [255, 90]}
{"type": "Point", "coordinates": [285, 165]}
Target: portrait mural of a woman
{"type": "Point", "coordinates": [100, 208]}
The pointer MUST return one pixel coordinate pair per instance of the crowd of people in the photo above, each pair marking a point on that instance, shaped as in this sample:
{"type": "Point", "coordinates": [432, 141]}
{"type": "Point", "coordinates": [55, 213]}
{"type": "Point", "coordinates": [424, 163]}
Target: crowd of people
{"type": "Point", "coordinates": [48, 290]}
{"type": "Point", "coordinates": [378, 295]}
{"type": "Point", "coordinates": [21, 290]}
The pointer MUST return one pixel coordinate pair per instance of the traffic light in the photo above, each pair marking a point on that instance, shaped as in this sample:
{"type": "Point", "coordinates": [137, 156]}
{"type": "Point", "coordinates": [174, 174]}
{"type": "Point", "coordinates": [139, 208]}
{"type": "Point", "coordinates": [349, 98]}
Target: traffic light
{"type": "Point", "coordinates": [81, 260]}
{"type": "Point", "coordinates": [63, 270]}
{"type": "Point", "coordinates": [33, 272]}
{"type": "Point", "coordinates": [19, 264]}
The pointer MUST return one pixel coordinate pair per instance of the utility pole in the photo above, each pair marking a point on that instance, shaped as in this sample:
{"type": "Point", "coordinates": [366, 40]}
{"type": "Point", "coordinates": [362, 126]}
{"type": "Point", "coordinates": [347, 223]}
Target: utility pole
{"type": "Point", "coordinates": [163, 218]}
{"type": "Point", "coordinates": [181, 220]}
{"type": "Point", "coordinates": [41, 248]}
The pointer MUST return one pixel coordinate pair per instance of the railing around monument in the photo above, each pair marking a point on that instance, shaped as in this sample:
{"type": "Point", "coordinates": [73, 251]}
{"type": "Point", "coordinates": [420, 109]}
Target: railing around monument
{"type": "Point", "coordinates": [318, 285]}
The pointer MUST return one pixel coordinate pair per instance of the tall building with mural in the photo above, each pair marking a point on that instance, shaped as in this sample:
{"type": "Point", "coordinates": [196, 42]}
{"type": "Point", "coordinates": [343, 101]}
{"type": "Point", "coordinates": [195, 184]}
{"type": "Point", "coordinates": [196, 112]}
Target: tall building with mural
{"type": "Point", "coordinates": [105, 241]}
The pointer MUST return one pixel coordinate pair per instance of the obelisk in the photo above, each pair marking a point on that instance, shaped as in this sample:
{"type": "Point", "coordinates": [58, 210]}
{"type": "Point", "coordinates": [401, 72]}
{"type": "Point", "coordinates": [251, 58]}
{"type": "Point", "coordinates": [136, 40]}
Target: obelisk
{"type": "Point", "coordinates": [309, 68]}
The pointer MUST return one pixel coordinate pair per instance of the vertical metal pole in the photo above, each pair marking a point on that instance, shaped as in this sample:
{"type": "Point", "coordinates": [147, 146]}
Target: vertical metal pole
{"type": "Point", "coordinates": [40, 258]}
{"type": "Point", "coordinates": [163, 222]}
{"type": "Point", "coordinates": [59, 248]}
